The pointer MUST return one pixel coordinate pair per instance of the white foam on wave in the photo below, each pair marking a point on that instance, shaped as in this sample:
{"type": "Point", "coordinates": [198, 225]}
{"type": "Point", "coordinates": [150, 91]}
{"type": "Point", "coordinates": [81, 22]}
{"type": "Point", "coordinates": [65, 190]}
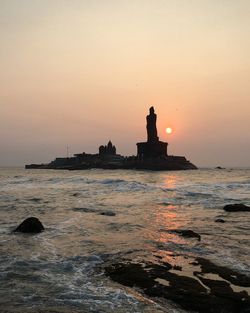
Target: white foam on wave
{"type": "Point", "coordinates": [73, 281]}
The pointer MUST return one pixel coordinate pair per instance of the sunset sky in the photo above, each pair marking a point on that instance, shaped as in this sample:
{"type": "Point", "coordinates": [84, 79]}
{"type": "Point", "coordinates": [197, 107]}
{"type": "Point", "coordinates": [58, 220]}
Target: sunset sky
{"type": "Point", "coordinates": [81, 72]}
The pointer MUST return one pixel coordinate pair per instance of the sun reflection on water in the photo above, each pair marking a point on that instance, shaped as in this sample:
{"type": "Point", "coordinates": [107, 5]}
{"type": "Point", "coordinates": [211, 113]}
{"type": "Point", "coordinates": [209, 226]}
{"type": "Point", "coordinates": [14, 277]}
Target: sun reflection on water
{"type": "Point", "coordinates": [170, 181]}
{"type": "Point", "coordinates": [164, 217]}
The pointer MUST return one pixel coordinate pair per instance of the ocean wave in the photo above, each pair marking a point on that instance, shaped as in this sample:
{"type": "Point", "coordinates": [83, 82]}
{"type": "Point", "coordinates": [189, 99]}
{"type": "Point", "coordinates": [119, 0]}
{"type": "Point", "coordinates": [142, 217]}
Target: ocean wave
{"type": "Point", "coordinates": [195, 249]}
{"type": "Point", "coordinates": [21, 180]}
{"type": "Point", "coordinates": [121, 185]}
{"type": "Point", "coordinates": [111, 181]}
{"type": "Point", "coordinates": [198, 194]}
{"type": "Point", "coordinates": [71, 281]}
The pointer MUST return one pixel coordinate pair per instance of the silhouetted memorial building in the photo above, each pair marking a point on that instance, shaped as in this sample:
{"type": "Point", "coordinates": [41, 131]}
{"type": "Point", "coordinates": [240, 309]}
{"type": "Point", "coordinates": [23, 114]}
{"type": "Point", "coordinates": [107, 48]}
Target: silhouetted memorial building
{"type": "Point", "coordinates": [109, 149]}
{"type": "Point", "coordinates": [153, 148]}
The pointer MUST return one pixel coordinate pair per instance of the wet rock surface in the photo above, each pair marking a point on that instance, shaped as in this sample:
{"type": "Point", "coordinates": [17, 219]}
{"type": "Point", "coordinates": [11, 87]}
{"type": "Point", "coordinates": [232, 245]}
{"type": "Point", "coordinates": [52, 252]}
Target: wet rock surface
{"type": "Point", "coordinates": [187, 233]}
{"type": "Point", "coordinates": [30, 225]}
{"type": "Point", "coordinates": [238, 207]}
{"type": "Point", "coordinates": [226, 273]}
{"type": "Point", "coordinates": [197, 292]}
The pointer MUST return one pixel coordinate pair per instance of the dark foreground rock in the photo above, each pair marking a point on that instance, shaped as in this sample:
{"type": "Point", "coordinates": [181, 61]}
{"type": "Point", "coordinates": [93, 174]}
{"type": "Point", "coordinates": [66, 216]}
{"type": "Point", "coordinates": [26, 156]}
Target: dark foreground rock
{"type": "Point", "coordinates": [238, 207]}
{"type": "Point", "coordinates": [30, 225]}
{"type": "Point", "coordinates": [197, 293]}
{"type": "Point", "coordinates": [226, 273]}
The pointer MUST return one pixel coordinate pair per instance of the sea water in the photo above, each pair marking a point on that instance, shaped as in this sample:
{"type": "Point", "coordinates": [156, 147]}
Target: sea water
{"type": "Point", "coordinates": [97, 215]}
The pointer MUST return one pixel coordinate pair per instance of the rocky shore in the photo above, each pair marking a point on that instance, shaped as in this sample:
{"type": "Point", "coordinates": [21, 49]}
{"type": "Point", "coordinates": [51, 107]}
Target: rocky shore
{"type": "Point", "coordinates": [132, 163]}
{"type": "Point", "coordinates": [200, 285]}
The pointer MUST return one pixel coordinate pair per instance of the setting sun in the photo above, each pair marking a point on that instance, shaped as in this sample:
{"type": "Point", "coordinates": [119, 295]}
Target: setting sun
{"type": "Point", "coordinates": [169, 130]}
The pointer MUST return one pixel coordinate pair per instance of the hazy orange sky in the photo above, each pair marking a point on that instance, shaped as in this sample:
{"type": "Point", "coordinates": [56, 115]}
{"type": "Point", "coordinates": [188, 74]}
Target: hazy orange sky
{"type": "Point", "coordinates": [81, 72]}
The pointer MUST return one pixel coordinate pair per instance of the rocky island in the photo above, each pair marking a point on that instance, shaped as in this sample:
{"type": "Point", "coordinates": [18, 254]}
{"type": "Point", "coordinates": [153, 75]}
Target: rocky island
{"type": "Point", "coordinates": [151, 155]}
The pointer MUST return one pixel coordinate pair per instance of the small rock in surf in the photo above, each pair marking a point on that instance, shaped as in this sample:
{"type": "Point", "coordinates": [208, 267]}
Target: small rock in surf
{"type": "Point", "coordinates": [237, 207]}
{"type": "Point", "coordinates": [219, 220]}
{"type": "Point", "coordinates": [185, 233]}
{"type": "Point", "coordinates": [30, 225]}
{"type": "Point", "coordinates": [108, 213]}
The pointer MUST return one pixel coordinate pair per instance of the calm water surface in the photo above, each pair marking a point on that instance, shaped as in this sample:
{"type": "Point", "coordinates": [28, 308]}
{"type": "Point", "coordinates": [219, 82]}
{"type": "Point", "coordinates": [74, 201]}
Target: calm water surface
{"type": "Point", "coordinates": [61, 266]}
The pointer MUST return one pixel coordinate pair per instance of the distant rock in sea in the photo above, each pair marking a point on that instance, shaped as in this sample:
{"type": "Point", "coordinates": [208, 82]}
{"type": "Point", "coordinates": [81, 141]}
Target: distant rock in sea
{"type": "Point", "coordinates": [219, 220]}
{"type": "Point", "coordinates": [30, 225]}
{"type": "Point", "coordinates": [107, 213]}
{"type": "Point", "coordinates": [237, 207]}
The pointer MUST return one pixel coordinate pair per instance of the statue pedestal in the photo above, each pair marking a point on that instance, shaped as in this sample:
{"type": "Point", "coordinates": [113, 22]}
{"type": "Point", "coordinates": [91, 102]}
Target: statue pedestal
{"type": "Point", "coordinates": [151, 149]}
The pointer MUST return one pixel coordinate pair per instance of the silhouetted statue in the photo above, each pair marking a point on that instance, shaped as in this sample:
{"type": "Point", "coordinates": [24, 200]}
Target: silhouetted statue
{"type": "Point", "coordinates": [153, 148]}
{"type": "Point", "coordinates": [151, 126]}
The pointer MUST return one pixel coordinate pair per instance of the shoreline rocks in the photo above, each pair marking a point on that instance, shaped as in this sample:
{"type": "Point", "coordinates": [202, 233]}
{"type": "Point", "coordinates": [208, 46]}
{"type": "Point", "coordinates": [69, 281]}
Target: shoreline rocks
{"type": "Point", "coordinates": [198, 292]}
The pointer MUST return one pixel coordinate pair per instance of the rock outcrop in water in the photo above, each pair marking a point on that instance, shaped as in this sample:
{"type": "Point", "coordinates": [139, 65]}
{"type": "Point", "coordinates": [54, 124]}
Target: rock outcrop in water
{"type": "Point", "coordinates": [238, 207]}
{"type": "Point", "coordinates": [219, 220]}
{"type": "Point", "coordinates": [107, 213]}
{"type": "Point", "coordinates": [30, 225]}
{"type": "Point", "coordinates": [151, 155]}
{"type": "Point", "coordinates": [186, 233]}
